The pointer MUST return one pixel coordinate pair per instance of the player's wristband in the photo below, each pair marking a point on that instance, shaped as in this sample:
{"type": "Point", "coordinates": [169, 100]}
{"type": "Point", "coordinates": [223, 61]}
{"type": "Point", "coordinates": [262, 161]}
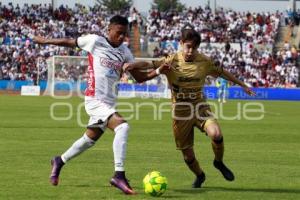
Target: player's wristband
{"type": "Point", "coordinates": [157, 71]}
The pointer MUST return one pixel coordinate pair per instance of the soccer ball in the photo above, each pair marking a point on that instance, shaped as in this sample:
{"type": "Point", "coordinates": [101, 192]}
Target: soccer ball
{"type": "Point", "coordinates": [155, 184]}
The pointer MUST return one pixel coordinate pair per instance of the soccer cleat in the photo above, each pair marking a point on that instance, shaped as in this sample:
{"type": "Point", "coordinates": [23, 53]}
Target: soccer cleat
{"type": "Point", "coordinates": [199, 180]}
{"type": "Point", "coordinates": [56, 164]}
{"type": "Point", "coordinates": [228, 175]}
{"type": "Point", "coordinates": [122, 184]}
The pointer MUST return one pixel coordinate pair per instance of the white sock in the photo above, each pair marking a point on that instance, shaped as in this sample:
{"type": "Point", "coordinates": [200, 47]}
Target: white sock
{"type": "Point", "coordinates": [77, 148]}
{"type": "Point", "coordinates": [119, 145]}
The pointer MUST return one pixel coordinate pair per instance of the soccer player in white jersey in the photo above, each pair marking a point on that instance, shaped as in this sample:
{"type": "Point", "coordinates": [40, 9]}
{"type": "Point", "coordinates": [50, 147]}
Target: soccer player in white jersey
{"type": "Point", "coordinates": [106, 57]}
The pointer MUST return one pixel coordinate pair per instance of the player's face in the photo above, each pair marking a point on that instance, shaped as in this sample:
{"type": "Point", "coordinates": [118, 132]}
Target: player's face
{"type": "Point", "coordinates": [117, 34]}
{"type": "Point", "coordinates": [189, 50]}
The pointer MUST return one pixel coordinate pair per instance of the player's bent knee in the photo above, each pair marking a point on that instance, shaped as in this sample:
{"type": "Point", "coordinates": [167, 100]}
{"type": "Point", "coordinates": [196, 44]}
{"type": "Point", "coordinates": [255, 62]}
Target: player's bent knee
{"type": "Point", "coordinates": [94, 133]}
{"type": "Point", "coordinates": [115, 120]}
{"type": "Point", "coordinates": [217, 136]}
{"type": "Point", "coordinates": [214, 132]}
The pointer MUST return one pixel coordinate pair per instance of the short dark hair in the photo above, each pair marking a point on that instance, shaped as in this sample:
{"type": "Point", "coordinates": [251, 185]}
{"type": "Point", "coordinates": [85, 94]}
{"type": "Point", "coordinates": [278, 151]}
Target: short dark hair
{"type": "Point", "coordinates": [188, 33]}
{"type": "Point", "coordinates": [118, 19]}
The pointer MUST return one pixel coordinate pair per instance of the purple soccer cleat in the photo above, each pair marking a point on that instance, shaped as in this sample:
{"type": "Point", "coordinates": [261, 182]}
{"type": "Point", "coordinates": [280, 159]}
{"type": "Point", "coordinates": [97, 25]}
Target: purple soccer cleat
{"type": "Point", "coordinates": [56, 164]}
{"type": "Point", "coordinates": [122, 184]}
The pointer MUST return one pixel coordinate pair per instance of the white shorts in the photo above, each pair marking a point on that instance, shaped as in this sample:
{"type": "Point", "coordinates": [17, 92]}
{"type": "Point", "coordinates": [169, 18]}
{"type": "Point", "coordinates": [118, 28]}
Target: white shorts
{"type": "Point", "coordinates": [99, 113]}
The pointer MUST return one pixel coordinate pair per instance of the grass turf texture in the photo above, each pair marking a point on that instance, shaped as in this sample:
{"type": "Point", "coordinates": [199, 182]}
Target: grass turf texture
{"type": "Point", "coordinates": [264, 155]}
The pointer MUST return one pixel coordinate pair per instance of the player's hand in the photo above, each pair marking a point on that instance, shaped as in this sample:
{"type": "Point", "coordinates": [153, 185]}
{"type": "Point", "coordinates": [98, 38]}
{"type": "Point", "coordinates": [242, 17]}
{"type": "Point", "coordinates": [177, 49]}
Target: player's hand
{"type": "Point", "coordinates": [127, 67]}
{"type": "Point", "coordinates": [249, 91]}
{"type": "Point", "coordinates": [39, 39]}
{"type": "Point", "coordinates": [165, 68]}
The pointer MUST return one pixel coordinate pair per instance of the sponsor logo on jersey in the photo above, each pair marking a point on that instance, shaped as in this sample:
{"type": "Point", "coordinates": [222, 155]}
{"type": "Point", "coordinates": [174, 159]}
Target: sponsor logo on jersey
{"type": "Point", "coordinates": [105, 62]}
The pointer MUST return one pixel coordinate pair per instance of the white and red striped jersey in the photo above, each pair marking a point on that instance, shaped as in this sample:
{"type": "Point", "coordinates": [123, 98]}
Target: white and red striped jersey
{"type": "Point", "coordinates": [105, 67]}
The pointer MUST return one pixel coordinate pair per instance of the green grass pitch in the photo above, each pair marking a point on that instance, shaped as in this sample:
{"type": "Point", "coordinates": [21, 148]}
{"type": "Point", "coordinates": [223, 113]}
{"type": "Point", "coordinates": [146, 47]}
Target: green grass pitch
{"type": "Point", "coordinates": [264, 154]}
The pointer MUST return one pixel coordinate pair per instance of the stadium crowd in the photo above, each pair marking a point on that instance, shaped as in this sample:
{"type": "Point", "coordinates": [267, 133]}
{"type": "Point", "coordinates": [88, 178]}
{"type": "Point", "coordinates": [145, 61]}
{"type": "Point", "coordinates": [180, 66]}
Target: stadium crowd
{"type": "Point", "coordinates": [258, 68]}
{"type": "Point", "coordinates": [19, 56]}
{"type": "Point", "coordinates": [259, 28]}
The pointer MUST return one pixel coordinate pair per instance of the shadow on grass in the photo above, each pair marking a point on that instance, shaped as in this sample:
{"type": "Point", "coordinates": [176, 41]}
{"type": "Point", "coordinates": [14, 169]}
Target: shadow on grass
{"type": "Point", "coordinates": [263, 190]}
{"type": "Point", "coordinates": [189, 191]}
{"type": "Point", "coordinates": [166, 196]}
{"type": "Point", "coordinates": [78, 186]}
{"type": "Point", "coordinates": [140, 191]}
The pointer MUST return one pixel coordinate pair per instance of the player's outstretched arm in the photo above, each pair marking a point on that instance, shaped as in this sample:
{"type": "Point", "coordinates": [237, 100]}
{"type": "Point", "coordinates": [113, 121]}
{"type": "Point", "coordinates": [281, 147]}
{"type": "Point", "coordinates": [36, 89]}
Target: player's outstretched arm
{"type": "Point", "coordinates": [60, 41]}
{"type": "Point", "coordinates": [135, 69]}
{"type": "Point", "coordinates": [228, 76]}
{"type": "Point", "coordinates": [136, 65]}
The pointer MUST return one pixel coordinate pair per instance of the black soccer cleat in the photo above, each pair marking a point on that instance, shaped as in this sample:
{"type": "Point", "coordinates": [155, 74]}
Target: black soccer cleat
{"type": "Point", "coordinates": [228, 175]}
{"type": "Point", "coordinates": [199, 180]}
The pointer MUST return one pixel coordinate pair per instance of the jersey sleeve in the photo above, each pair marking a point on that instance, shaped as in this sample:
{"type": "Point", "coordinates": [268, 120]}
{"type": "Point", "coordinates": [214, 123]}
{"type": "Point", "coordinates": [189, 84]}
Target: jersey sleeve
{"type": "Point", "coordinates": [87, 42]}
{"type": "Point", "coordinates": [129, 58]}
{"type": "Point", "coordinates": [213, 69]}
{"type": "Point", "coordinates": [160, 61]}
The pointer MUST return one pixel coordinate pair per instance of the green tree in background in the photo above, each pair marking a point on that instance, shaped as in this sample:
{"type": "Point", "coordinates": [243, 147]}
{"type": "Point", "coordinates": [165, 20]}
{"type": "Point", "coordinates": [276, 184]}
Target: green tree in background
{"type": "Point", "coordinates": [166, 5]}
{"type": "Point", "coordinates": [115, 5]}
